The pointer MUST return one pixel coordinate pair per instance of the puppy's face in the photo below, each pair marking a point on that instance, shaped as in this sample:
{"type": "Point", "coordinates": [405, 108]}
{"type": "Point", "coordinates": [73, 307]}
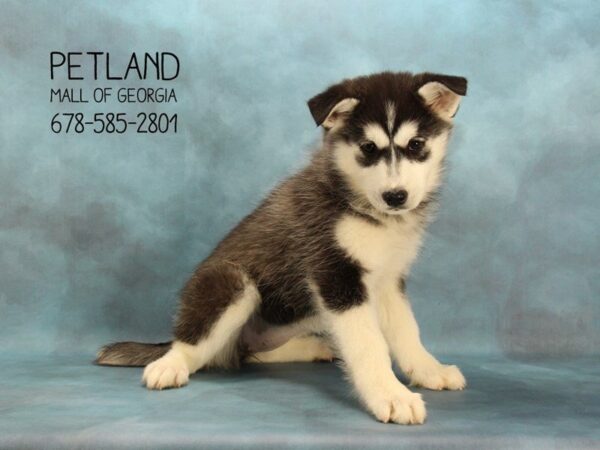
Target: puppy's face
{"type": "Point", "coordinates": [387, 135]}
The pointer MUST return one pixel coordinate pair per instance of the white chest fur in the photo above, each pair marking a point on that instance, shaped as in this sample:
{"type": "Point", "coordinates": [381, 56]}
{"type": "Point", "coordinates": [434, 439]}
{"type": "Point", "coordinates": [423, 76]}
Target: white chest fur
{"type": "Point", "coordinates": [386, 250]}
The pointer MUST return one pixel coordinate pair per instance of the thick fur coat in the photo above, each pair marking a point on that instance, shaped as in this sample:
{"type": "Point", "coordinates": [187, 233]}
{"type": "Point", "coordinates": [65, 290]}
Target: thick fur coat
{"type": "Point", "coordinates": [318, 270]}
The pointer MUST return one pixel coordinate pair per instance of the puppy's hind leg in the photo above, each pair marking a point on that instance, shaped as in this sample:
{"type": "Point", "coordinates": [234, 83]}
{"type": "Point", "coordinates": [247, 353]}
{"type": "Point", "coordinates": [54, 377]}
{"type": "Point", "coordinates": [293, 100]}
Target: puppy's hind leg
{"type": "Point", "coordinates": [215, 304]}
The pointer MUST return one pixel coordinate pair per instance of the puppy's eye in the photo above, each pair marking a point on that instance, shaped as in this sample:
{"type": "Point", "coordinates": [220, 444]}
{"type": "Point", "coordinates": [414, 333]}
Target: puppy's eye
{"type": "Point", "coordinates": [368, 148]}
{"type": "Point", "coordinates": [415, 145]}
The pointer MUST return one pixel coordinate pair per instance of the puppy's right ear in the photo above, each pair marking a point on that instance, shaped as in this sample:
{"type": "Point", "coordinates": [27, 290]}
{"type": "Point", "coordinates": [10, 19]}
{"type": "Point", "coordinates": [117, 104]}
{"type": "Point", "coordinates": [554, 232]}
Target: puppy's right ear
{"type": "Point", "coordinates": [331, 107]}
{"type": "Point", "coordinates": [442, 93]}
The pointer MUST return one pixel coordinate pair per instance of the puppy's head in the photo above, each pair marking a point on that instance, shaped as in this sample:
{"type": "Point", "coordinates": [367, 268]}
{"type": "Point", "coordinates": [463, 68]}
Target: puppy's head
{"type": "Point", "coordinates": [387, 134]}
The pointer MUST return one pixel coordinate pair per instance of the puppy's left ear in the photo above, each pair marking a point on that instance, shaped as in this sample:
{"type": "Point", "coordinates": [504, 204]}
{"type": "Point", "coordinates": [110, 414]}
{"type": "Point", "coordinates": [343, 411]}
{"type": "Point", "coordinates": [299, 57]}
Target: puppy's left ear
{"type": "Point", "coordinates": [332, 106]}
{"type": "Point", "coordinates": [442, 93]}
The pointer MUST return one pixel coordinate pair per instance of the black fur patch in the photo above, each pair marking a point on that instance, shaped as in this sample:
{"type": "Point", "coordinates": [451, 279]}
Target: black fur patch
{"type": "Point", "coordinates": [340, 282]}
{"type": "Point", "coordinates": [372, 160]}
{"type": "Point", "coordinates": [206, 296]}
{"type": "Point", "coordinates": [285, 301]}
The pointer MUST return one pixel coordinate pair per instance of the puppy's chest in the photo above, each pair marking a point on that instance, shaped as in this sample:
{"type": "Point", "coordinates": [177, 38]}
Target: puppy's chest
{"type": "Point", "coordinates": [386, 249]}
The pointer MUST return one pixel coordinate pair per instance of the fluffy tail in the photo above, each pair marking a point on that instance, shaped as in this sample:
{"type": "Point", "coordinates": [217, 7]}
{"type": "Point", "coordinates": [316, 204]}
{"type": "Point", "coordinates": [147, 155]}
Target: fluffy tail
{"type": "Point", "coordinates": [131, 353]}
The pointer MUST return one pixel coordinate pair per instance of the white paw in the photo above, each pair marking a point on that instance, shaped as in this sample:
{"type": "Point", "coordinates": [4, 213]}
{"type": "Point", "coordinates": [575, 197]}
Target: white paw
{"type": "Point", "coordinates": [438, 377]}
{"type": "Point", "coordinates": [167, 372]}
{"type": "Point", "coordinates": [405, 407]}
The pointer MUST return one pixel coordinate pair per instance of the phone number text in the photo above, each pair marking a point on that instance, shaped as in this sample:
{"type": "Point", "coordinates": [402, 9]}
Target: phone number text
{"type": "Point", "coordinates": [117, 123]}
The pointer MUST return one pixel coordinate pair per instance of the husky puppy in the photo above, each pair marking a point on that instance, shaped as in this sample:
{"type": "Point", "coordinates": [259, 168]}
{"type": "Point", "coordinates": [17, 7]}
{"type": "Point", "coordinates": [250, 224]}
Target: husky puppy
{"type": "Point", "coordinates": [318, 270]}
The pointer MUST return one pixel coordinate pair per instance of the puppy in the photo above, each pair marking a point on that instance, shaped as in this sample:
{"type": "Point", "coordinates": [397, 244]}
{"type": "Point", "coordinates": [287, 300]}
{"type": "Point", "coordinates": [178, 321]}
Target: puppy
{"type": "Point", "coordinates": [318, 270]}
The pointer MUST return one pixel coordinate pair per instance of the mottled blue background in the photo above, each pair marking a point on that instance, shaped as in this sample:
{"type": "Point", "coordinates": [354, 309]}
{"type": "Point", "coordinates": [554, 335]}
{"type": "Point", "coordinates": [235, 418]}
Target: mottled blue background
{"type": "Point", "coordinates": [98, 232]}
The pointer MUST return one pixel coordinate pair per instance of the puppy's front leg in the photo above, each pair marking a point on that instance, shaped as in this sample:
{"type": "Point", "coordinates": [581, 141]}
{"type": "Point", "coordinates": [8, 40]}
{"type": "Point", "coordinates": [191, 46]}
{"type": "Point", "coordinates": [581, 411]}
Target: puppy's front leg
{"type": "Point", "coordinates": [402, 333]}
{"type": "Point", "coordinates": [364, 351]}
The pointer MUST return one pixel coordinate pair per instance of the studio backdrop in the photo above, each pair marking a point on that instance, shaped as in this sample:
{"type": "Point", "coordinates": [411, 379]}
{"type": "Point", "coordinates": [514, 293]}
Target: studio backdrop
{"type": "Point", "coordinates": [118, 176]}
{"type": "Point", "coordinates": [100, 230]}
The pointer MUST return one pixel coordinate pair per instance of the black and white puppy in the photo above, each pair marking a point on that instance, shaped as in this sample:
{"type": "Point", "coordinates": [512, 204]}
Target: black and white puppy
{"type": "Point", "coordinates": [318, 270]}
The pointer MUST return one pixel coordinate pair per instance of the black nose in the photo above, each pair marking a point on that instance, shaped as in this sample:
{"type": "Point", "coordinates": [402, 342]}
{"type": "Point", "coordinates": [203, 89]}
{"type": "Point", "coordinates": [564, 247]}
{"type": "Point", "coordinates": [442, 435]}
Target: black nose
{"type": "Point", "coordinates": [395, 199]}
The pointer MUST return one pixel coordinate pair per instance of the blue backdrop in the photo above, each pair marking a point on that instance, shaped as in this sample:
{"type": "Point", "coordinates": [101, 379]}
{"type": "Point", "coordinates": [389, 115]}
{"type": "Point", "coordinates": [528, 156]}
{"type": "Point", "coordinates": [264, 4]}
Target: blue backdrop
{"type": "Point", "coordinates": [98, 232]}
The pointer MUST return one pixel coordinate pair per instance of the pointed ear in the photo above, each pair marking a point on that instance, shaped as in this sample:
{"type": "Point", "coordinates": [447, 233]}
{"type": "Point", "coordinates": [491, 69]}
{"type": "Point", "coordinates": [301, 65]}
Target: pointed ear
{"type": "Point", "coordinates": [331, 107]}
{"type": "Point", "coordinates": [442, 93]}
